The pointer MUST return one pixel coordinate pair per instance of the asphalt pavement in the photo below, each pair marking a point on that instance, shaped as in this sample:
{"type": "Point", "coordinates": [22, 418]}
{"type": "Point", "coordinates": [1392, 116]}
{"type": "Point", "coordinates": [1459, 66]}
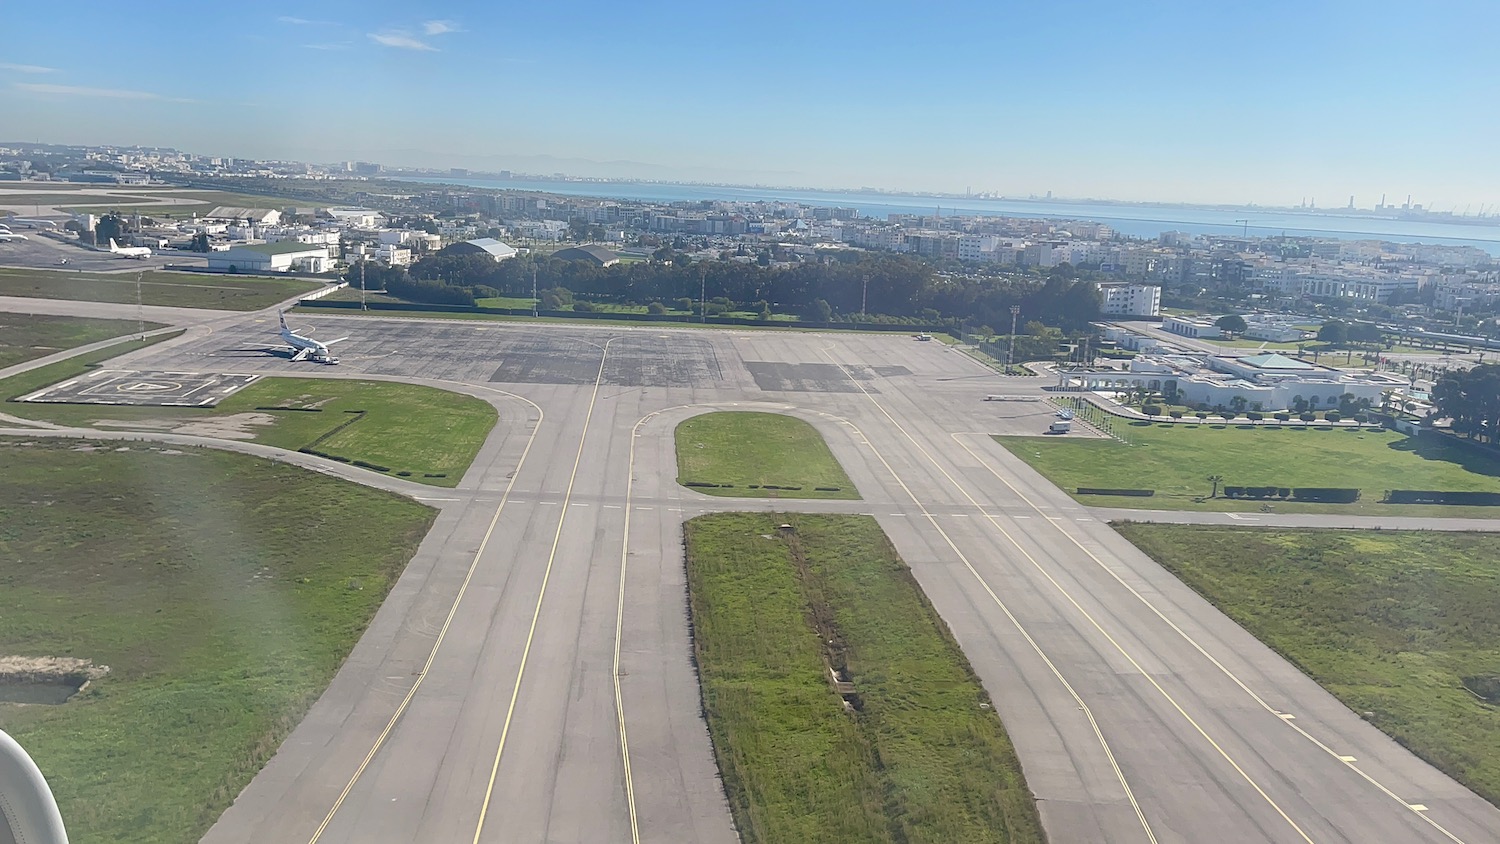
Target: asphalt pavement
{"type": "Point", "coordinates": [530, 676]}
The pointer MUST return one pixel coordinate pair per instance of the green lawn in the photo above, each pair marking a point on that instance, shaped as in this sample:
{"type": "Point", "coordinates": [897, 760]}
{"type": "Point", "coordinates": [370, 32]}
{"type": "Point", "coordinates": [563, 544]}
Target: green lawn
{"type": "Point", "coordinates": [183, 290]}
{"type": "Point", "coordinates": [50, 198]}
{"type": "Point", "coordinates": [52, 373]}
{"type": "Point", "coordinates": [26, 337]}
{"type": "Point", "coordinates": [491, 302]}
{"type": "Point", "coordinates": [421, 433]}
{"type": "Point", "coordinates": [139, 201]}
{"type": "Point", "coordinates": [923, 757]}
{"type": "Point", "coordinates": [1393, 623]}
{"type": "Point", "coordinates": [744, 453]}
{"type": "Point", "coordinates": [223, 592]}
{"type": "Point", "coordinates": [1175, 460]}
{"type": "Point", "coordinates": [1269, 345]}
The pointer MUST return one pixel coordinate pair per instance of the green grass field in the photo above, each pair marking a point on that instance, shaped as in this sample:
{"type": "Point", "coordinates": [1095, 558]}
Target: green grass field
{"type": "Point", "coordinates": [743, 452]}
{"type": "Point", "coordinates": [183, 290]}
{"type": "Point", "coordinates": [26, 337]}
{"type": "Point", "coordinates": [420, 433]}
{"type": "Point", "coordinates": [50, 198]}
{"type": "Point", "coordinates": [1390, 622]}
{"type": "Point", "coordinates": [1175, 460]}
{"type": "Point", "coordinates": [223, 592]}
{"type": "Point", "coordinates": [137, 200]}
{"type": "Point", "coordinates": [923, 758]}
{"type": "Point", "coordinates": [35, 379]}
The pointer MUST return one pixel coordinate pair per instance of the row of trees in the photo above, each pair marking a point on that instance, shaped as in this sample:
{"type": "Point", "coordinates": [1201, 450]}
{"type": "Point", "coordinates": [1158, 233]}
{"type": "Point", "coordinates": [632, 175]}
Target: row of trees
{"type": "Point", "coordinates": [1471, 398]}
{"type": "Point", "coordinates": [873, 284]}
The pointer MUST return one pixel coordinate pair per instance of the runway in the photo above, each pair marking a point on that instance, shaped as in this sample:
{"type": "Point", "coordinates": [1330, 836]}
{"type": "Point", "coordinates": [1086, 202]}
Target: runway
{"type": "Point", "coordinates": [529, 678]}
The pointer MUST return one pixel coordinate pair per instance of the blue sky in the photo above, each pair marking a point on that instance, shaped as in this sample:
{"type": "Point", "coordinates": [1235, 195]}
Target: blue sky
{"type": "Point", "coordinates": [1268, 102]}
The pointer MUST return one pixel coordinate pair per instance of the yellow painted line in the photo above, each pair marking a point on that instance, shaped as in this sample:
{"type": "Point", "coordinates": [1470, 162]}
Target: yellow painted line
{"type": "Point", "coordinates": [536, 614]}
{"type": "Point", "coordinates": [635, 831]}
{"type": "Point", "coordinates": [442, 633]}
{"type": "Point", "coordinates": [1286, 717]}
{"type": "Point", "coordinates": [1082, 706]}
{"type": "Point", "coordinates": [994, 521]}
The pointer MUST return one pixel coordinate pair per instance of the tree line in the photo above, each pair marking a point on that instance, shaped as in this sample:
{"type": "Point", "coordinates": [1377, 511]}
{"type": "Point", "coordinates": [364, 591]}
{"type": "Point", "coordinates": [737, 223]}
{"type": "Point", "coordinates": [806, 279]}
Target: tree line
{"type": "Point", "coordinates": [1471, 398]}
{"type": "Point", "coordinates": [837, 288]}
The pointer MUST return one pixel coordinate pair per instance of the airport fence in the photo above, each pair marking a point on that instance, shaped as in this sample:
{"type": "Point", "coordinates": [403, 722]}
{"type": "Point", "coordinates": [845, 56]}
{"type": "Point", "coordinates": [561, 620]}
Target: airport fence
{"type": "Point", "coordinates": [609, 316]}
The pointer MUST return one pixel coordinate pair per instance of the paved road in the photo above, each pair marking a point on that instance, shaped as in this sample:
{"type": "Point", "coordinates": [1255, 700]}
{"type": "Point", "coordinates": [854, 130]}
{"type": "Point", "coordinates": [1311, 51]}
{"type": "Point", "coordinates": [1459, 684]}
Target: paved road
{"type": "Point", "coordinates": [111, 310]}
{"type": "Point", "coordinates": [536, 649]}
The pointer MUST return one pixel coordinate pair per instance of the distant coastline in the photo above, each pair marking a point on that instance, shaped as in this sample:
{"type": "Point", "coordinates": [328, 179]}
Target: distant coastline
{"type": "Point", "coordinates": [1389, 214]}
{"type": "Point", "coordinates": [1140, 220]}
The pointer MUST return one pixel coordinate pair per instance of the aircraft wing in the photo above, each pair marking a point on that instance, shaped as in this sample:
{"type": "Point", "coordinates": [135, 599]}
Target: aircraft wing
{"type": "Point", "coordinates": [301, 354]}
{"type": "Point", "coordinates": [331, 342]}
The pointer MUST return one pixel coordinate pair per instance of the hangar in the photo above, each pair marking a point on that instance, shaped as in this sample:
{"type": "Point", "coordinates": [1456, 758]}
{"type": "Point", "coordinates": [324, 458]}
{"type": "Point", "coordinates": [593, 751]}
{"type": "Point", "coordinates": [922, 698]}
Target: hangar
{"type": "Point", "coordinates": [596, 255]}
{"type": "Point", "coordinates": [481, 246]}
{"type": "Point", "coordinates": [285, 256]}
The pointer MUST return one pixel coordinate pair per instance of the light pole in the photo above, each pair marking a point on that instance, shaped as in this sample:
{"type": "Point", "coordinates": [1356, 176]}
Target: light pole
{"type": "Point", "coordinates": [533, 291]}
{"type": "Point", "coordinates": [1010, 353]}
{"type": "Point", "coordinates": [864, 293]}
{"type": "Point", "coordinates": [140, 313]}
{"type": "Point", "coordinates": [703, 292]}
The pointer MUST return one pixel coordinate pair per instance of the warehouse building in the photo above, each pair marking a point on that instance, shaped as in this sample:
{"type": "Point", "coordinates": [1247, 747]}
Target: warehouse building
{"type": "Point", "coordinates": [280, 257]}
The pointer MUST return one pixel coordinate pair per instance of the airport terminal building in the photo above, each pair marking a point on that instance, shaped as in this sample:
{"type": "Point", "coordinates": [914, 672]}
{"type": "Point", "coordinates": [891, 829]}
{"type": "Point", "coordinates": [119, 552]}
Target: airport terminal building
{"type": "Point", "coordinates": [1266, 382]}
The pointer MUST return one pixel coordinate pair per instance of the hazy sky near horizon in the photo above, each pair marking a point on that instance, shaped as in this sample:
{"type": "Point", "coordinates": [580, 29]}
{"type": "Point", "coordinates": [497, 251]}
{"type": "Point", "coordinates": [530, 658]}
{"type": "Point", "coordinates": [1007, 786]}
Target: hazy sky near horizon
{"type": "Point", "coordinates": [1268, 102]}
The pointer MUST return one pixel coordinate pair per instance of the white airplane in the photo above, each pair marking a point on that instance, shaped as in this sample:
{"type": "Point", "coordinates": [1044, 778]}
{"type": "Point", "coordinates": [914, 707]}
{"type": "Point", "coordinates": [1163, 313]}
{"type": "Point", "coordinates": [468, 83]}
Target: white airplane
{"type": "Point", "coordinates": [7, 236]}
{"type": "Point", "coordinates": [306, 348]}
{"type": "Point", "coordinates": [129, 251]}
{"type": "Point", "coordinates": [31, 222]}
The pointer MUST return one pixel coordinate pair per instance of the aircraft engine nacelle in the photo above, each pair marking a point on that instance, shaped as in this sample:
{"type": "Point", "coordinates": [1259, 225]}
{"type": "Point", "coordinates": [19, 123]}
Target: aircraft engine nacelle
{"type": "Point", "coordinates": [27, 810]}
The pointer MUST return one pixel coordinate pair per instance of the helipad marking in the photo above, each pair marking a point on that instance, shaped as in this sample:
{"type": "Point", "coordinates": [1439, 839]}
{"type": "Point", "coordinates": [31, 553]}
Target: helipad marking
{"type": "Point", "coordinates": [148, 387]}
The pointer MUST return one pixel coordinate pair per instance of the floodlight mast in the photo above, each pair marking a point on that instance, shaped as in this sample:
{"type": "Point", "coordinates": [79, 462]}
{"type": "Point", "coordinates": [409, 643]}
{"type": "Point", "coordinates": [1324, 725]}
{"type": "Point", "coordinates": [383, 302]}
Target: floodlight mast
{"type": "Point", "coordinates": [1010, 353]}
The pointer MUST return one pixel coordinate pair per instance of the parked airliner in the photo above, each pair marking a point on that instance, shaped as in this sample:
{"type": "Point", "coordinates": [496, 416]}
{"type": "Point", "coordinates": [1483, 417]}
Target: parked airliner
{"type": "Point", "coordinates": [129, 251]}
{"type": "Point", "coordinates": [306, 348]}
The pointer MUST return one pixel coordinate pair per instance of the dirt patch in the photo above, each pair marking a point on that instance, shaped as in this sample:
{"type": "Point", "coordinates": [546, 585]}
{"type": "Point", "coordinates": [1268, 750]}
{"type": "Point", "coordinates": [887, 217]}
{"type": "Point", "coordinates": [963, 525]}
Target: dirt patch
{"type": "Point", "coordinates": [140, 425]}
{"type": "Point", "coordinates": [235, 426]}
{"type": "Point", "coordinates": [45, 679]}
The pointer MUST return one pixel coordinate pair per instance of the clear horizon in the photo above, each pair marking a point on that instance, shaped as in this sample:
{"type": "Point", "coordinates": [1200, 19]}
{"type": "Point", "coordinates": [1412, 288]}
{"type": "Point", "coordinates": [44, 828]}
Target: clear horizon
{"type": "Point", "coordinates": [1158, 102]}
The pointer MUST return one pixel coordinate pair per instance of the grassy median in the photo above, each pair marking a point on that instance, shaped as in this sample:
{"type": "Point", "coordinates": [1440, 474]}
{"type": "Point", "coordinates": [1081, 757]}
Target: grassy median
{"type": "Point", "coordinates": [35, 379]}
{"type": "Point", "coordinates": [1176, 461]}
{"type": "Point", "coordinates": [182, 290]}
{"type": "Point", "coordinates": [917, 755]}
{"type": "Point", "coordinates": [1399, 625]}
{"type": "Point", "coordinates": [416, 432]}
{"type": "Point", "coordinates": [758, 455]}
{"type": "Point", "coordinates": [26, 337]}
{"type": "Point", "coordinates": [222, 591]}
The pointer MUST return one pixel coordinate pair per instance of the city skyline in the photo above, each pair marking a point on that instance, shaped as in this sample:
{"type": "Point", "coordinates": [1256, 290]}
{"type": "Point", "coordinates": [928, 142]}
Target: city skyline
{"type": "Point", "coordinates": [1166, 102]}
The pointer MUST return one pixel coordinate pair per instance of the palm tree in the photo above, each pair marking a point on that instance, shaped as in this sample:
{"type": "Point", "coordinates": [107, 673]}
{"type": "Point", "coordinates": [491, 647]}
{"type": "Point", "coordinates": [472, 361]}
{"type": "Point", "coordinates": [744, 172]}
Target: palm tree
{"type": "Point", "coordinates": [1215, 480]}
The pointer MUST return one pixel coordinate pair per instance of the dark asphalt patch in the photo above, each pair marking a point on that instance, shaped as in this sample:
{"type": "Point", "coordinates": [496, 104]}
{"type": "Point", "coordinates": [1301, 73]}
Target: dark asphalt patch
{"type": "Point", "coordinates": [633, 361]}
{"type": "Point", "coordinates": [807, 377]}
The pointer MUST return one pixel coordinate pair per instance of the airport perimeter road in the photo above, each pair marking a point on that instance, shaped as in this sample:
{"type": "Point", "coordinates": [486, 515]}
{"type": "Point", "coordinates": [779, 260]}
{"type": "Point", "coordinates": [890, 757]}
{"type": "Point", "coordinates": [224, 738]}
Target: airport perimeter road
{"type": "Point", "coordinates": [530, 677]}
{"type": "Point", "coordinates": [111, 310]}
